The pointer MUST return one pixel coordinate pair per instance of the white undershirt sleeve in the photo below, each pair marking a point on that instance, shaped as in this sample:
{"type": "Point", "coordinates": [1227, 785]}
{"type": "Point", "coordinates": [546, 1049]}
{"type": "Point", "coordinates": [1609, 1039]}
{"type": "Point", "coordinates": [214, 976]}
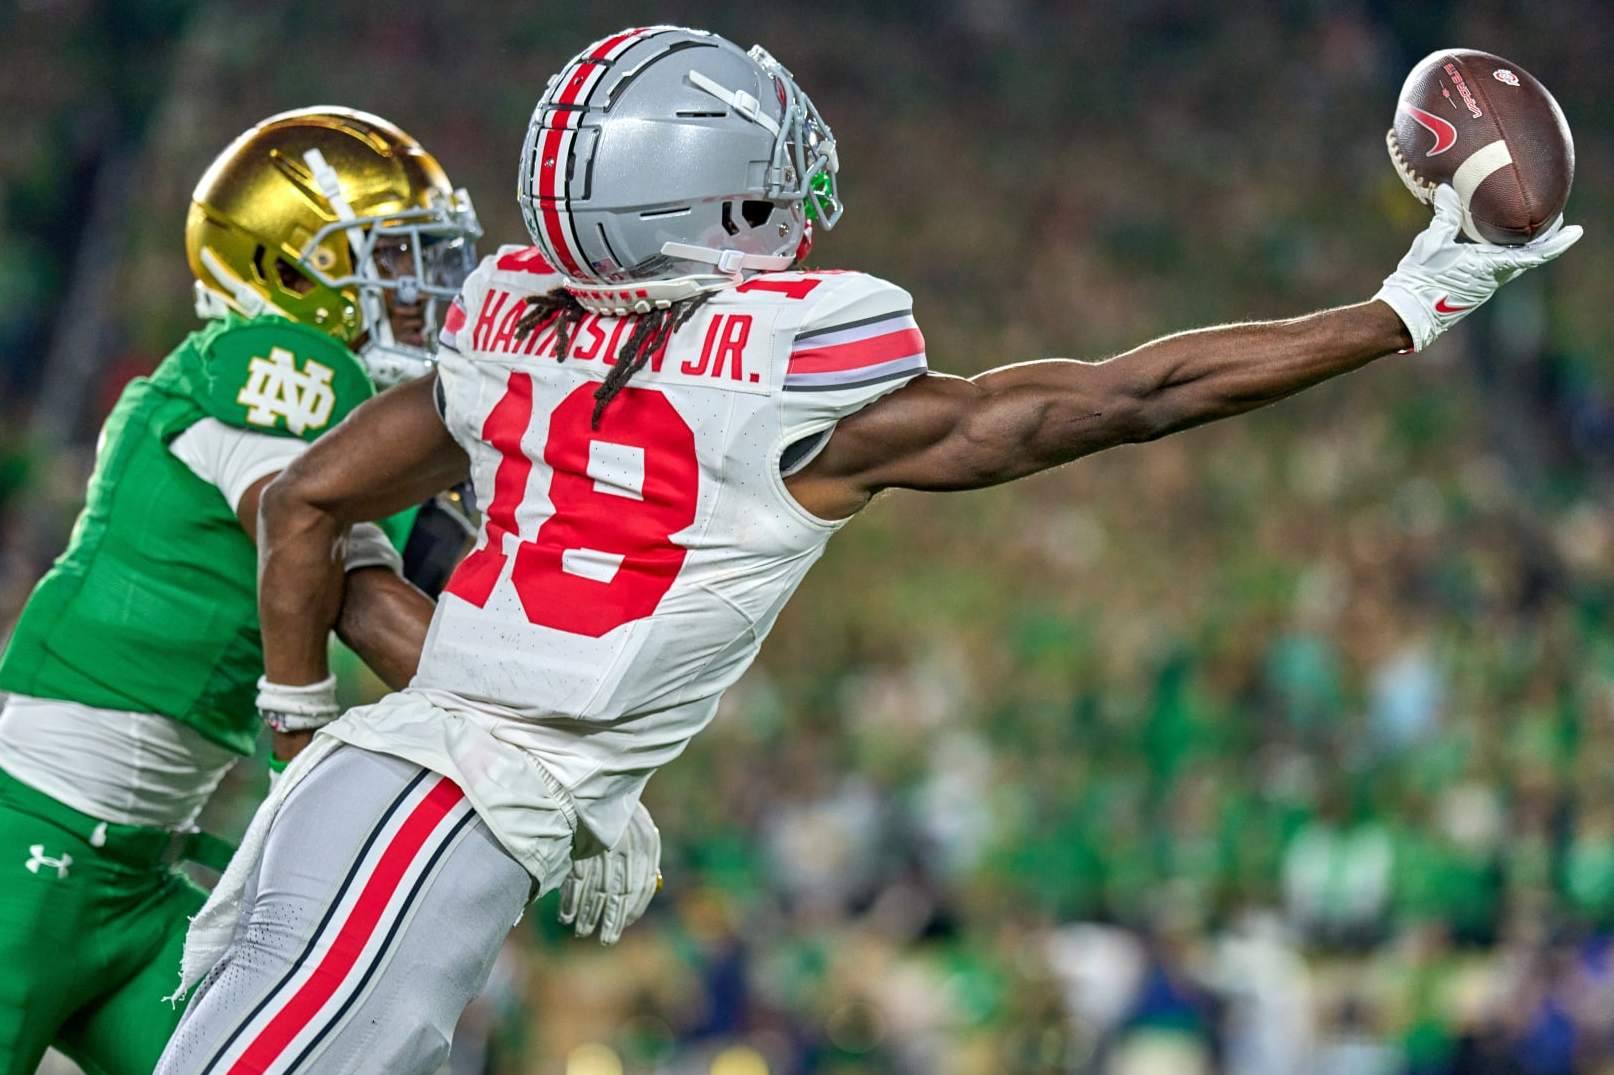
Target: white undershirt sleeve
{"type": "Point", "coordinates": [234, 460]}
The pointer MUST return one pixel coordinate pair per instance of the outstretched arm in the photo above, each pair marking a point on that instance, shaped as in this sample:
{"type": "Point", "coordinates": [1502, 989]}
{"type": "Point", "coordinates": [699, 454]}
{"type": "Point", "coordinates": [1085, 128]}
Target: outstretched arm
{"type": "Point", "coordinates": [944, 433]}
{"type": "Point", "coordinates": [947, 433]}
{"type": "Point", "coordinates": [392, 452]}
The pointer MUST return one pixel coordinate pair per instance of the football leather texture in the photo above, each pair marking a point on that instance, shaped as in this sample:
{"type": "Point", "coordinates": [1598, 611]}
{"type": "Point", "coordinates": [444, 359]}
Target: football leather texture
{"type": "Point", "coordinates": [1487, 127]}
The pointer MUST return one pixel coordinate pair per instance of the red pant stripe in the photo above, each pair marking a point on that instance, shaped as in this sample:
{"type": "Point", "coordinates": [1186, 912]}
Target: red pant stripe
{"type": "Point", "coordinates": [354, 933]}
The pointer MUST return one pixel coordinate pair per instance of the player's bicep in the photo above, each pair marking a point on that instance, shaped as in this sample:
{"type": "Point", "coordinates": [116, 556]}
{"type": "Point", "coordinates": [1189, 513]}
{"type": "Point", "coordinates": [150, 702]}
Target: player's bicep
{"type": "Point", "coordinates": [942, 433]}
{"type": "Point", "coordinates": [887, 443]}
{"type": "Point", "coordinates": [392, 452]}
{"type": "Point", "coordinates": [952, 434]}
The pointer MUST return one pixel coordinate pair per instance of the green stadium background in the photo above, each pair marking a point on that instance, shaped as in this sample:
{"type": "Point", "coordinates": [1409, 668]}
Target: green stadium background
{"type": "Point", "coordinates": [1281, 746]}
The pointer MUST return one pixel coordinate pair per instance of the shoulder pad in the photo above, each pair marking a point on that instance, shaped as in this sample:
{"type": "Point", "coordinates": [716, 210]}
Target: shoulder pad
{"type": "Point", "coordinates": [520, 267]}
{"type": "Point", "coordinates": [271, 375]}
{"type": "Point", "coordinates": [513, 257]}
{"type": "Point", "coordinates": [857, 331]}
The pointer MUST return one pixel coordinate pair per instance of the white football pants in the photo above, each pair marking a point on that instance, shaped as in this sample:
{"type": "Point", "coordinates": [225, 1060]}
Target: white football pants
{"type": "Point", "coordinates": [356, 949]}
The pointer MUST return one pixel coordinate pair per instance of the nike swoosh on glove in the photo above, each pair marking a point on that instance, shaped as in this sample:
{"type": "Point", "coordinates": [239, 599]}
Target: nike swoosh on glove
{"type": "Point", "coordinates": [612, 890]}
{"type": "Point", "coordinates": [1441, 281]}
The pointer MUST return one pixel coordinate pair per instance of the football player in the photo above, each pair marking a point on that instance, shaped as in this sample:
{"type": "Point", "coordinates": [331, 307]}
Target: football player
{"type": "Point", "coordinates": [323, 242]}
{"type": "Point", "coordinates": [666, 422]}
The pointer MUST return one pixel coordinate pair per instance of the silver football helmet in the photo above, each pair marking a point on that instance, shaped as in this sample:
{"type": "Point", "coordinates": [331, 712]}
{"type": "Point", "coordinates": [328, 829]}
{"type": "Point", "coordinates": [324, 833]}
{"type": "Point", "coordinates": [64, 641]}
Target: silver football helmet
{"type": "Point", "coordinates": [664, 162]}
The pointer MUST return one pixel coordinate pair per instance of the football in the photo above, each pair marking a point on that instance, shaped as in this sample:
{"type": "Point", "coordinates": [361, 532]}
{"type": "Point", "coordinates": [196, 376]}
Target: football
{"type": "Point", "coordinates": [1487, 127]}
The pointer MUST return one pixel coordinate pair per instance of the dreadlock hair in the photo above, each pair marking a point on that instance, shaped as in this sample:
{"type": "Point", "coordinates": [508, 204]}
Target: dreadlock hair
{"type": "Point", "coordinates": [650, 334]}
{"type": "Point", "coordinates": [556, 305]}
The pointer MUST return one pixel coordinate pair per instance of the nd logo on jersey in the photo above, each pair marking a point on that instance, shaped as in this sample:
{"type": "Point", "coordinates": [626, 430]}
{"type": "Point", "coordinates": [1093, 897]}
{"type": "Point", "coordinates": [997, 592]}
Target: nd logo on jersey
{"type": "Point", "coordinates": [276, 389]}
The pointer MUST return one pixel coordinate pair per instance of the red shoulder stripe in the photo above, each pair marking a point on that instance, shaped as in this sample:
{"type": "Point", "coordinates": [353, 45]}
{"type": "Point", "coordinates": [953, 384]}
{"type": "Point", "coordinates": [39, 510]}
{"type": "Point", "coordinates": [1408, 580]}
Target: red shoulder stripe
{"type": "Point", "coordinates": [870, 352]}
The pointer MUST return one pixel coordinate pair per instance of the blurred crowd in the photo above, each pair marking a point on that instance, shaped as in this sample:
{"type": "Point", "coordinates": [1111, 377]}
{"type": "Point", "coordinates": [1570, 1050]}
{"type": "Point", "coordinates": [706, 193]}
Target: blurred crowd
{"type": "Point", "coordinates": [1282, 746]}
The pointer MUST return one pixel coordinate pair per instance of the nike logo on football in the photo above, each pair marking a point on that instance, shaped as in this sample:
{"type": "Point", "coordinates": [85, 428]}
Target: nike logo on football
{"type": "Point", "coordinates": [1444, 307]}
{"type": "Point", "coordinates": [1445, 134]}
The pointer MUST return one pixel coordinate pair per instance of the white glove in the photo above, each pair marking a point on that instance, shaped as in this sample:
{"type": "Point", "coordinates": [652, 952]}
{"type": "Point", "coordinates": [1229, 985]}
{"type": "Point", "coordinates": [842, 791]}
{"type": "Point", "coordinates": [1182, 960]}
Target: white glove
{"type": "Point", "coordinates": [297, 709]}
{"type": "Point", "coordinates": [612, 889]}
{"type": "Point", "coordinates": [1441, 280]}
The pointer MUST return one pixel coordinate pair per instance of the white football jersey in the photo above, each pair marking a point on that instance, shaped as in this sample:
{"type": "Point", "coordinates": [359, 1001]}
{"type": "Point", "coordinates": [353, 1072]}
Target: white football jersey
{"type": "Point", "coordinates": [626, 575]}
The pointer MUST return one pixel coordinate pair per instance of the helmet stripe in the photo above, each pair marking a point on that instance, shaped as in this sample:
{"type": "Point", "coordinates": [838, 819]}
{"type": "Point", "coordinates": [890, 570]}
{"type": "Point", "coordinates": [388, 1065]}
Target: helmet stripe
{"type": "Point", "coordinates": [612, 47]}
{"type": "Point", "coordinates": [551, 166]}
{"type": "Point", "coordinates": [565, 112]}
{"type": "Point", "coordinates": [553, 160]}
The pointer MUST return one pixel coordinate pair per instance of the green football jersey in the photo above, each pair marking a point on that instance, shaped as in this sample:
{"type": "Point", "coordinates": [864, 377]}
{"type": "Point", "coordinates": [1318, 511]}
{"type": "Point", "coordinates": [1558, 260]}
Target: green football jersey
{"type": "Point", "coordinates": [153, 607]}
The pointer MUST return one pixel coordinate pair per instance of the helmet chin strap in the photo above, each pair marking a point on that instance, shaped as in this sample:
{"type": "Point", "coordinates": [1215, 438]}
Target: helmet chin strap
{"type": "Point", "coordinates": [643, 296]}
{"type": "Point", "coordinates": [742, 102]}
{"type": "Point", "coordinates": [728, 262]}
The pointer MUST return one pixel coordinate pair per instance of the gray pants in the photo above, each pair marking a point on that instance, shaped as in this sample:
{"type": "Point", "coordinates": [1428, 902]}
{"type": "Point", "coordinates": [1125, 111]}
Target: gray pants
{"type": "Point", "coordinates": [379, 905]}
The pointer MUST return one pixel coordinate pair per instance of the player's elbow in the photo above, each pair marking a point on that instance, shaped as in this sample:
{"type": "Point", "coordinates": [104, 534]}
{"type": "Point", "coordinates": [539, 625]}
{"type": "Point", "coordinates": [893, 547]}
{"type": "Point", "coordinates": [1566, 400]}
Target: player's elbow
{"type": "Point", "coordinates": [1051, 428]}
{"type": "Point", "coordinates": [1126, 409]}
{"type": "Point", "coordinates": [1137, 417]}
{"type": "Point", "coordinates": [1142, 406]}
{"type": "Point", "coordinates": [291, 508]}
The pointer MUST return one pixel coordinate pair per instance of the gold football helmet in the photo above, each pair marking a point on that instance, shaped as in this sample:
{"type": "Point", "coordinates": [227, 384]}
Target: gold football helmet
{"type": "Point", "coordinates": [316, 215]}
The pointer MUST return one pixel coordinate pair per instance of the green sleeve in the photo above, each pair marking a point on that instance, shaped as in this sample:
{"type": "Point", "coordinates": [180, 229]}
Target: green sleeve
{"type": "Point", "coordinates": [271, 375]}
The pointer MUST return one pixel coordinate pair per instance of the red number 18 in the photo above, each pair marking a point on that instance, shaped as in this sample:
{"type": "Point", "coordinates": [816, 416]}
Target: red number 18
{"type": "Point", "coordinates": [605, 557]}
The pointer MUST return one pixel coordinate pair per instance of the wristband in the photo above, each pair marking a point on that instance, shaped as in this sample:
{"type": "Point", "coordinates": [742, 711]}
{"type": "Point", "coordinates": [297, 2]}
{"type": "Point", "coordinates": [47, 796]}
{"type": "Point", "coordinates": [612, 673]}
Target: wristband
{"type": "Point", "coordinates": [297, 709]}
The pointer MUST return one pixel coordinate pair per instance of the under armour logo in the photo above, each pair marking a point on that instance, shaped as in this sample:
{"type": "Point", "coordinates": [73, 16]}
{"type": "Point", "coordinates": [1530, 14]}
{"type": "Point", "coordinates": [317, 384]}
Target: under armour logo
{"type": "Point", "coordinates": [276, 389]}
{"type": "Point", "coordinates": [38, 858]}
